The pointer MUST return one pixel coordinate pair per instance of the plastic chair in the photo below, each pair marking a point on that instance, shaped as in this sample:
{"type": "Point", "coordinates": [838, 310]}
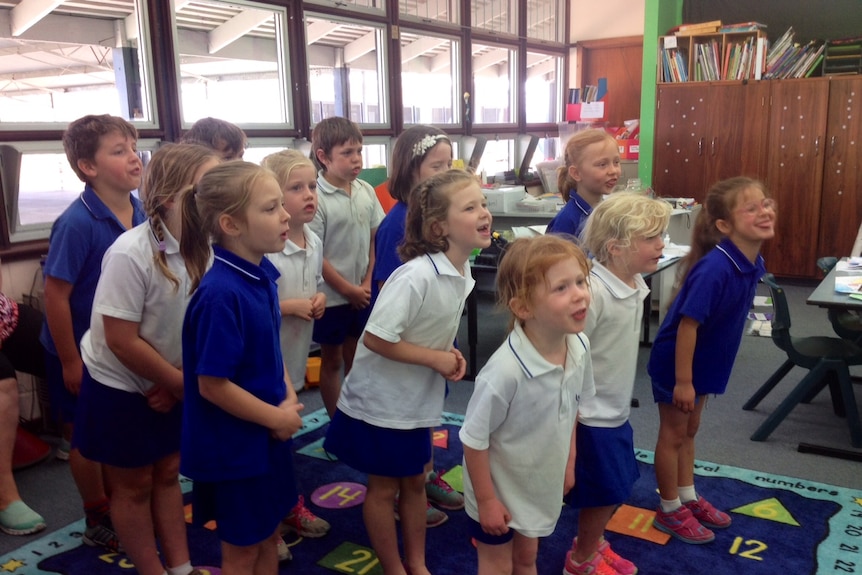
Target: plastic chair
{"type": "Point", "coordinates": [827, 359]}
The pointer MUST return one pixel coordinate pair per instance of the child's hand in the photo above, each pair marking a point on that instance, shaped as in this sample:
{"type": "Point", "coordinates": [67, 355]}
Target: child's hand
{"type": "Point", "coordinates": [683, 397]}
{"type": "Point", "coordinates": [160, 399]}
{"type": "Point", "coordinates": [359, 297]}
{"type": "Point", "coordinates": [318, 305]}
{"type": "Point", "coordinates": [303, 309]}
{"type": "Point", "coordinates": [289, 422]}
{"type": "Point", "coordinates": [494, 517]}
{"type": "Point", "coordinates": [73, 373]}
{"type": "Point", "coordinates": [458, 374]}
{"type": "Point", "coordinates": [447, 364]}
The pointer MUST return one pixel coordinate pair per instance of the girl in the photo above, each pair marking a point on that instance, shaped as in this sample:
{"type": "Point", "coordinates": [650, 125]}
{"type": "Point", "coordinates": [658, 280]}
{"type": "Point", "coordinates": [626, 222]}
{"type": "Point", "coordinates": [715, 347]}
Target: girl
{"type": "Point", "coordinates": [240, 407]}
{"type": "Point", "coordinates": [592, 170]}
{"type": "Point", "coordinates": [394, 394]}
{"type": "Point", "coordinates": [419, 153]}
{"type": "Point", "coordinates": [624, 234]}
{"type": "Point", "coordinates": [300, 264]}
{"type": "Point", "coordinates": [517, 466]}
{"type": "Point", "coordinates": [694, 349]}
{"type": "Point", "coordinates": [129, 412]}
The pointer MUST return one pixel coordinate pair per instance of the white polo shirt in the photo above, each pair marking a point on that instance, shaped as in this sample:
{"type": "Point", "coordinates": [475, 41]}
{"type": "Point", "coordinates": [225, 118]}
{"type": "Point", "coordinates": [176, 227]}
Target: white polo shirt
{"type": "Point", "coordinates": [421, 302]}
{"type": "Point", "coordinates": [343, 222]}
{"type": "Point", "coordinates": [522, 411]}
{"type": "Point", "coordinates": [301, 277]}
{"type": "Point", "coordinates": [614, 323]}
{"type": "Point", "coordinates": [133, 288]}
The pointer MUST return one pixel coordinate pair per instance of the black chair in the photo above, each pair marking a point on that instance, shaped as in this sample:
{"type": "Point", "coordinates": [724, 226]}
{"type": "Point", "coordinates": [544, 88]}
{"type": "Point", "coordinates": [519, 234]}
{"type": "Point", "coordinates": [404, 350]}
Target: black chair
{"type": "Point", "coordinates": [827, 359]}
{"type": "Point", "coordinates": [846, 324]}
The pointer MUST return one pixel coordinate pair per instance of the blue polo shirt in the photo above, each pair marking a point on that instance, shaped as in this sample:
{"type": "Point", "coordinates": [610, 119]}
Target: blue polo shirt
{"type": "Point", "coordinates": [718, 294]}
{"type": "Point", "coordinates": [79, 238]}
{"type": "Point", "coordinates": [230, 330]}
{"type": "Point", "coordinates": [389, 236]}
{"type": "Point", "coordinates": [571, 219]}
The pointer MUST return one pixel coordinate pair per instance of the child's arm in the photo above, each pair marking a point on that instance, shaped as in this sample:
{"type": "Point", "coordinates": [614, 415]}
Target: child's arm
{"type": "Point", "coordinates": [493, 515]}
{"type": "Point", "coordinates": [302, 308]}
{"type": "Point", "coordinates": [58, 314]}
{"type": "Point", "coordinates": [449, 364]}
{"type": "Point", "coordinates": [686, 340]}
{"type": "Point", "coordinates": [318, 305]}
{"type": "Point", "coordinates": [570, 463]}
{"type": "Point", "coordinates": [357, 296]}
{"type": "Point", "coordinates": [283, 420]}
{"type": "Point", "coordinates": [372, 258]}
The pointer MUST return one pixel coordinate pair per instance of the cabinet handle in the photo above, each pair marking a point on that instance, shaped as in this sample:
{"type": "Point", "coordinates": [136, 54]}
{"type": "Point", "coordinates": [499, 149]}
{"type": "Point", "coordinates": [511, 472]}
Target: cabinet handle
{"type": "Point", "coordinates": [832, 144]}
{"type": "Point", "coordinates": [700, 147]}
{"type": "Point", "coordinates": [817, 146]}
{"type": "Point", "coordinates": [713, 146]}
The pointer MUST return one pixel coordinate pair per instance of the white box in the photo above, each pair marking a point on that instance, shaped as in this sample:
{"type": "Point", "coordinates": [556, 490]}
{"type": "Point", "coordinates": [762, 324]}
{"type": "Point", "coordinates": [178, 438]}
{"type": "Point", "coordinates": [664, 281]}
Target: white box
{"type": "Point", "coordinates": [503, 199]}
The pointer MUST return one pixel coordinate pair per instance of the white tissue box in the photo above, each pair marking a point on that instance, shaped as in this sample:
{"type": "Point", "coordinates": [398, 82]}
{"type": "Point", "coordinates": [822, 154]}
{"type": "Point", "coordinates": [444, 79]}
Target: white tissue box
{"type": "Point", "coordinates": [503, 199]}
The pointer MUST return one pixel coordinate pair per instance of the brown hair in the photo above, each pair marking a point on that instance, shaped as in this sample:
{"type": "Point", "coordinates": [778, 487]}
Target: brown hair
{"type": "Point", "coordinates": [575, 148]}
{"type": "Point", "coordinates": [430, 206]}
{"type": "Point", "coordinates": [409, 151]}
{"type": "Point", "coordinates": [525, 263]}
{"type": "Point", "coordinates": [219, 135]}
{"type": "Point", "coordinates": [331, 132]}
{"type": "Point", "coordinates": [170, 174]}
{"type": "Point", "coordinates": [82, 137]}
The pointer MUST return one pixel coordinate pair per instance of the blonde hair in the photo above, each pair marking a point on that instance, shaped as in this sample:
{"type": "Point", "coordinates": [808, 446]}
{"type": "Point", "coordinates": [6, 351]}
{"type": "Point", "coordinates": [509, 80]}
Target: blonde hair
{"type": "Point", "coordinates": [621, 218]}
{"type": "Point", "coordinates": [170, 174]}
{"type": "Point", "coordinates": [225, 189]}
{"type": "Point", "coordinates": [283, 162]}
{"type": "Point", "coordinates": [525, 263]}
{"type": "Point", "coordinates": [430, 207]}
{"type": "Point", "coordinates": [575, 148]}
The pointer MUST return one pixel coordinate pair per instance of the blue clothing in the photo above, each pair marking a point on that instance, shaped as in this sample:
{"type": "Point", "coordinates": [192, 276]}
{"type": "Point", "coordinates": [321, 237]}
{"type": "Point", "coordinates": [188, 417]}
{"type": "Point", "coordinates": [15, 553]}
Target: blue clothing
{"type": "Point", "coordinates": [79, 238]}
{"type": "Point", "coordinates": [605, 467]}
{"type": "Point", "coordinates": [389, 236]}
{"type": "Point", "coordinates": [717, 294]}
{"type": "Point", "coordinates": [230, 330]}
{"type": "Point", "coordinates": [571, 219]}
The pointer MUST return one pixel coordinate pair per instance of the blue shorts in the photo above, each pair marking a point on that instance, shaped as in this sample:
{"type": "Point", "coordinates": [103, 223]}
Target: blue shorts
{"type": "Point", "coordinates": [247, 511]}
{"type": "Point", "coordinates": [119, 428]}
{"type": "Point", "coordinates": [474, 530]}
{"type": "Point", "coordinates": [605, 466]}
{"type": "Point", "coordinates": [338, 323]}
{"type": "Point", "coordinates": [378, 450]}
{"type": "Point", "coordinates": [63, 403]}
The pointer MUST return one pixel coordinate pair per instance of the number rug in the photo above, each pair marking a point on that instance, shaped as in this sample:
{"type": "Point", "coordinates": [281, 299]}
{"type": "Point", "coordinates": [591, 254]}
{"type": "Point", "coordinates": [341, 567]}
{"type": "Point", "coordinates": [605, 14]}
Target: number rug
{"type": "Point", "coordinates": [780, 525]}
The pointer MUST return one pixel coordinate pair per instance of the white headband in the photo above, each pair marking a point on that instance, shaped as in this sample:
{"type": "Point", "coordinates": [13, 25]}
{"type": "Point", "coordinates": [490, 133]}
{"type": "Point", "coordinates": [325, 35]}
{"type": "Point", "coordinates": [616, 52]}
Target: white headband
{"type": "Point", "coordinates": [425, 144]}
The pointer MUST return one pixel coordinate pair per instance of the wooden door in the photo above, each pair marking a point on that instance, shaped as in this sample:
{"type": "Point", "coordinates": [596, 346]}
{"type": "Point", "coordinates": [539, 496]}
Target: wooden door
{"type": "Point", "coordinates": [797, 130]}
{"type": "Point", "coordinates": [841, 201]}
{"type": "Point", "coordinates": [680, 140]}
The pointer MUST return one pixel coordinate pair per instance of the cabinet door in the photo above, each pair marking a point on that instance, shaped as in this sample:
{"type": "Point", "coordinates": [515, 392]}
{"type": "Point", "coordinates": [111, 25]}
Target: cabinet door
{"type": "Point", "coordinates": [841, 202]}
{"type": "Point", "coordinates": [680, 139]}
{"type": "Point", "coordinates": [797, 130]}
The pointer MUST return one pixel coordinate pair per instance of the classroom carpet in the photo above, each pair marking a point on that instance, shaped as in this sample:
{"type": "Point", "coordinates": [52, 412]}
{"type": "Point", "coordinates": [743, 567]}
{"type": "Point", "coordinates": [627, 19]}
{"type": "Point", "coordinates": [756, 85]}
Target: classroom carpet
{"type": "Point", "coordinates": [780, 525]}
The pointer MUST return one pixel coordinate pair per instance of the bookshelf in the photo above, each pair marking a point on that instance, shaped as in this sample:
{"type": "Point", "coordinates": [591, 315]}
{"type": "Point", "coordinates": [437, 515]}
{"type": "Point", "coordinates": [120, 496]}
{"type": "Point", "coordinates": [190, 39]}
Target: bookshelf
{"type": "Point", "coordinates": [711, 57]}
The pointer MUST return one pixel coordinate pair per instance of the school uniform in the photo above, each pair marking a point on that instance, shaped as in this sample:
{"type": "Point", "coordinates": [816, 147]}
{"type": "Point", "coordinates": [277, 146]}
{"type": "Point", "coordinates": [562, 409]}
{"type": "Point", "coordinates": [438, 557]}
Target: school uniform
{"type": "Point", "coordinates": [243, 476]}
{"type": "Point", "coordinates": [527, 453]}
{"type": "Point", "coordinates": [572, 218]}
{"type": "Point", "coordinates": [717, 294]}
{"type": "Point", "coordinates": [301, 277]}
{"type": "Point", "coordinates": [421, 303]}
{"type": "Point", "coordinates": [133, 288]}
{"type": "Point", "coordinates": [389, 236]}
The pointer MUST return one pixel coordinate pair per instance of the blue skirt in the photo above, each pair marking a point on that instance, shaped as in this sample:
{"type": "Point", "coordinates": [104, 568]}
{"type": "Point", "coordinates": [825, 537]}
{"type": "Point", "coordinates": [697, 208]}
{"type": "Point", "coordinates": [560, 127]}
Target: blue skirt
{"type": "Point", "coordinates": [605, 466]}
{"type": "Point", "coordinates": [119, 428]}
{"type": "Point", "coordinates": [248, 510]}
{"type": "Point", "coordinates": [378, 450]}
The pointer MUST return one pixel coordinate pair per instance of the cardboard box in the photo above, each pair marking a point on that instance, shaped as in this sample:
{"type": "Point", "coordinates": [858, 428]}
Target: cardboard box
{"type": "Point", "coordinates": [629, 149]}
{"type": "Point", "coordinates": [503, 199]}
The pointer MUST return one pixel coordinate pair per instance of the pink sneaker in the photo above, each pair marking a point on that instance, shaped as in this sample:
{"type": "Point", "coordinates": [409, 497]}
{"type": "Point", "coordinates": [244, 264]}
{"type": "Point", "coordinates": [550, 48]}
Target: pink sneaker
{"type": "Point", "coordinates": [681, 524]}
{"type": "Point", "coordinates": [612, 558]}
{"type": "Point", "coordinates": [595, 565]}
{"type": "Point", "coordinates": [708, 515]}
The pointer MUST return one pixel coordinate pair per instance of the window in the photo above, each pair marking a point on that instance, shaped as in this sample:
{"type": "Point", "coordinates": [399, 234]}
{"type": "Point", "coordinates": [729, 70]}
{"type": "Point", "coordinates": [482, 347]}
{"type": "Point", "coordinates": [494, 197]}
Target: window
{"type": "Point", "coordinates": [62, 65]}
{"type": "Point", "coordinates": [543, 90]}
{"type": "Point", "coordinates": [371, 6]}
{"type": "Point", "coordinates": [545, 20]}
{"type": "Point", "coordinates": [499, 16]}
{"type": "Point", "coordinates": [498, 157]}
{"type": "Point", "coordinates": [436, 11]}
{"type": "Point", "coordinates": [493, 78]}
{"type": "Point", "coordinates": [346, 70]}
{"type": "Point", "coordinates": [227, 52]}
{"type": "Point", "coordinates": [430, 86]}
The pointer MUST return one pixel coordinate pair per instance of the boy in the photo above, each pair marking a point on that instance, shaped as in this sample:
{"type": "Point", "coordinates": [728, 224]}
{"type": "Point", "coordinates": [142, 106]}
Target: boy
{"type": "Point", "coordinates": [102, 151]}
{"type": "Point", "coordinates": [347, 217]}
{"type": "Point", "coordinates": [227, 139]}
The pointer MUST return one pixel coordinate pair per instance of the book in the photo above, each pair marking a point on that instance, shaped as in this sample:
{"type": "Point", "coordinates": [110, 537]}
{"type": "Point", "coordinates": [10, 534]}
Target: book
{"type": "Point", "coordinates": [698, 28]}
{"type": "Point", "coordinates": [741, 27]}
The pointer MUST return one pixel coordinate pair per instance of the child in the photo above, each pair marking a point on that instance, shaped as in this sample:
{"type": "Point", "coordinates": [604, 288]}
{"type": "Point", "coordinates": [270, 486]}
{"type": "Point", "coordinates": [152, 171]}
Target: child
{"type": "Point", "coordinates": [300, 264]}
{"type": "Point", "coordinates": [592, 169]}
{"type": "Point", "coordinates": [419, 153]}
{"type": "Point", "coordinates": [227, 139]}
{"type": "Point", "coordinates": [129, 413]}
{"type": "Point", "coordinates": [102, 151]}
{"type": "Point", "coordinates": [346, 220]}
{"type": "Point", "coordinates": [519, 429]}
{"type": "Point", "coordinates": [624, 235]}
{"type": "Point", "coordinates": [695, 347]}
{"type": "Point", "coordinates": [395, 393]}
{"type": "Point", "coordinates": [239, 407]}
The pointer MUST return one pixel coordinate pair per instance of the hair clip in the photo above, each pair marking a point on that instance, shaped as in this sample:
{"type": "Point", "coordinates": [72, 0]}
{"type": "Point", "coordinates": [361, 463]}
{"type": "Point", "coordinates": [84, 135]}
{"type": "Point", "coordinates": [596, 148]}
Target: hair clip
{"type": "Point", "coordinates": [162, 246]}
{"type": "Point", "coordinates": [425, 144]}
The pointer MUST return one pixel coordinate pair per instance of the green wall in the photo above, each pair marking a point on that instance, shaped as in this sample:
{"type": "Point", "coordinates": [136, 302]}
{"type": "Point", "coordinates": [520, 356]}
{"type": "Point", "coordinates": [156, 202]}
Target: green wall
{"type": "Point", "coordinates": [659, 17]}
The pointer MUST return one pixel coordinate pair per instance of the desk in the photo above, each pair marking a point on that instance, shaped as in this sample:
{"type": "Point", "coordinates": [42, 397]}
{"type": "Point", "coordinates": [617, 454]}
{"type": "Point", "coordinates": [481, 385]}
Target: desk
{"type": "Point", "coordinates": [660, 286]}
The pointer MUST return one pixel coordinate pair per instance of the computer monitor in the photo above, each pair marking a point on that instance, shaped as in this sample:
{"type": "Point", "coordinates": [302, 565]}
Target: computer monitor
{"type": "Point", "coordinates": [525, 147]}
{"type": "Point", "coordinates": [471, 150]}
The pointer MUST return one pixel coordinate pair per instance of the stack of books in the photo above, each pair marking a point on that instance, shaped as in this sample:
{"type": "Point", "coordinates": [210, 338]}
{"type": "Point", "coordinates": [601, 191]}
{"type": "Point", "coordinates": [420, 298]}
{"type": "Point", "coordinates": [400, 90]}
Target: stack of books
{"type": "Point", "coordinates": [698, 28]}
{"type": "Point", "coordinates": [741, 27]}
{"type": "Point", "coordinates": [788, 59]}
{"type": "Point", "coordinates": [843, 56]}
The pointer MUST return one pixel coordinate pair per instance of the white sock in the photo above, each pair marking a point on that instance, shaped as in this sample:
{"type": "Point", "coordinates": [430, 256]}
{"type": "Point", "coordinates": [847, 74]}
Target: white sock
{"type": "Point", "coordinates": [183, 569]}
{"type": "Point", "coordinates": [687, 493]}
{"type": "Point", "coordinates": [668, 505]}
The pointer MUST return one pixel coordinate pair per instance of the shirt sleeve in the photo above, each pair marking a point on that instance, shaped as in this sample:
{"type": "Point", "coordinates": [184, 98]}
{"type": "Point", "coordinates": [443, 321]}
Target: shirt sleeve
{"type": "Point", "coordinates": [120, 269]}
{"type": "Point", "coordinates": [486, 411]}
{"type": "Point", "coordinates": [397, 306]}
